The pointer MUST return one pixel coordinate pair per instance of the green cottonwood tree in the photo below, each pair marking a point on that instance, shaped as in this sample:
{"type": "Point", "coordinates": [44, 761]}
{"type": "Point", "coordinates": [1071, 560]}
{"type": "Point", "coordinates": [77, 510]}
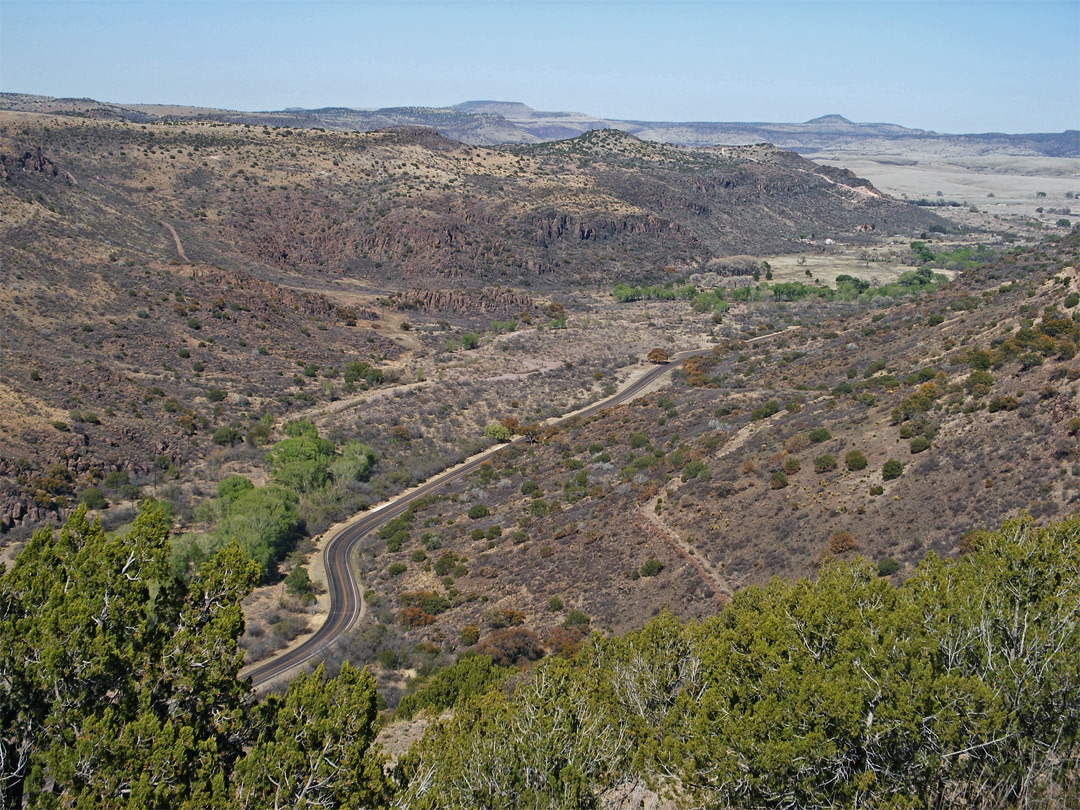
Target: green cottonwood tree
{"type": "Point", "coordinates": [301, 463]}
{"type": "Point", "coordinates": [264, 521]}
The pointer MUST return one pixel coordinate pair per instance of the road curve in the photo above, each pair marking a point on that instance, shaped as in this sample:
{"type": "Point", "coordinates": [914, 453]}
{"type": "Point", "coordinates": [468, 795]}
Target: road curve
{"type": "Point", "coordinates": [345, 593]}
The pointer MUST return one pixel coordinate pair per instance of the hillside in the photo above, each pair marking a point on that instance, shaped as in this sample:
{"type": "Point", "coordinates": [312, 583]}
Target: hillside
{"type": "Point", "coordinates": [884, 432]}
{"type": "Point", "coordinates": [224, 339]}
{"type": "Point", "coordinates": [423, 206]}
{"type": "Point", "coordinates": [831, 693]}
{"type": "Point", "coordinates": [172, 281]}
{"type": "Point", "coordinates": [957, 689]}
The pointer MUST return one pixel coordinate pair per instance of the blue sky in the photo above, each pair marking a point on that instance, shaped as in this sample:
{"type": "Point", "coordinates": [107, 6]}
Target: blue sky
{"type": "Point", "coordinates": [945, 66]}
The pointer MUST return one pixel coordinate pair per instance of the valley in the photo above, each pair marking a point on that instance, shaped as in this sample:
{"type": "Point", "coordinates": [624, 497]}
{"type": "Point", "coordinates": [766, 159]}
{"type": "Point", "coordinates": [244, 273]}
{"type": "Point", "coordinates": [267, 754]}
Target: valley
{"type": "Point", "coordinates": [392, 348]}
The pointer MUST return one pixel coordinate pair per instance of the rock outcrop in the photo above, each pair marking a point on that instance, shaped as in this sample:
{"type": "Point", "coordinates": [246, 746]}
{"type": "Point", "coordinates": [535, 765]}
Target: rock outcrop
{"type": "Point", "coordinates": [488, 300]}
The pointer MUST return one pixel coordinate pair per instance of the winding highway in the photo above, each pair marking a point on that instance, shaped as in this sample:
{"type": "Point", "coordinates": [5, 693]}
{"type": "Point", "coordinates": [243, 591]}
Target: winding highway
{"type": "Point", "coordinates": [346, 593]}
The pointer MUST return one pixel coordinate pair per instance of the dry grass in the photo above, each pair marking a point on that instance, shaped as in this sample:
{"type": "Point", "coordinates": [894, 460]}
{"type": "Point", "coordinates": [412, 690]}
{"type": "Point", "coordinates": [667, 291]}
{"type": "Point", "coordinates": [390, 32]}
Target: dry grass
{"type": "Point", "coordinates": [1014, 182]}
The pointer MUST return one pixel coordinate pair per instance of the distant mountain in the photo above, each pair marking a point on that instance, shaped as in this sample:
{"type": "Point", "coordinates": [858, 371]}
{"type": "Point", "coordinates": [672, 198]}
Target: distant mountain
{"type": "Point", "coordinates": [487, 123]}
{"type": "Point", "coordinates": [829, 119]}
{"type": "Point", "coordinates": [829, 132]}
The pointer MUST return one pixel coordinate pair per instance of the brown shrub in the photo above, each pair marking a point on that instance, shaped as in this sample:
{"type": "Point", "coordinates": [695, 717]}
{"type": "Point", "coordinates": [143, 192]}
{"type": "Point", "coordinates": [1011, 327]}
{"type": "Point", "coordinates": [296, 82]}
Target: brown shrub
{"type": "Point", "coordinates": [839, 542]}
{"type": "Point", "coordinates": [565, 641]}
{"type": "Point", "coordinates": [469, 635]}
{"type": "Point", "coordinates": [797, 443]}
{"type": "Point", "coordinates": [967, 542]}
{"type": "Point", "coordinates": [513, 645]}
{"type": "Point", "coordinates": [498, 619]}
{"type": "Point", "coordinates": [415, 617]}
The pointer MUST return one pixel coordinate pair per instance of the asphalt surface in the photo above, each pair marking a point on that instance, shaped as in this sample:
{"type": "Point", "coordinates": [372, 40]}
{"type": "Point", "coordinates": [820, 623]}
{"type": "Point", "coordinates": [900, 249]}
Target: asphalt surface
{"type": "Point", "coordinates": [345, 592]}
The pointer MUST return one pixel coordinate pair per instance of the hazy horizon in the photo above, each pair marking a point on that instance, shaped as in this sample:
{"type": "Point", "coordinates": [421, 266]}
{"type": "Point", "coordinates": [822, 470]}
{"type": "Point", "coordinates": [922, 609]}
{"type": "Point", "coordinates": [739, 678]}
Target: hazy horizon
{"type": "Point", "coordinates": [957, 67]}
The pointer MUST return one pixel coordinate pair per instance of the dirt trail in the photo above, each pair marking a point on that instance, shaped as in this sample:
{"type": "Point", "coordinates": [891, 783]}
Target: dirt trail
{"type": "Point", "coordinates": [742, 436]}
{"type": "Point", "coordinates": [648, 511]}
{"type": "Point", "coordinates": [179, 247]}
{"type": "Point", "coordinates": [705, 569]}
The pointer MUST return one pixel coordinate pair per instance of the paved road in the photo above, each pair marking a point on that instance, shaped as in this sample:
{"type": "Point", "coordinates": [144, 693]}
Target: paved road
{"type": "Point", "coordinates": [345, 592]}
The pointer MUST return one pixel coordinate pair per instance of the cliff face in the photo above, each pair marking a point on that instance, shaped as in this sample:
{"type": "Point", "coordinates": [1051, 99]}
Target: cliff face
{"type": "Point", "coordinates": [488, 301]}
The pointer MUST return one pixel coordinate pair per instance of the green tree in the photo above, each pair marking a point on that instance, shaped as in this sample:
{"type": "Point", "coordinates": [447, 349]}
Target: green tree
{"type": "Point", "coordinates": [855, 460]}
{"type": "Point", "coordinates": [232, 487]}
{"type": "Point", "coordinates": [298, 582]}
{"type": "Point", "coordinates": [265, 523]}
{"type": "Point", "coordinates": [918, 445]}
{"type": "Point", "coordinates": [892, 469]}
{"type": "Point", "coordinates": [468, 676]}
{"type": "Point", "coordinates": [301, 462]}
{"type": "Point", "coordinates": [119, 686]}
{"type": "Point", "coordinates": [313, 746]}
{"type": "Point", "coordinates": [355, 463]}
{"type": "Point", "coordinates": [651, 567]}
{"type": "Point", "coordinates": [957, 688]}
{"type": "Point", "coordinates": [1001, 626]}
{"type": "Point", "coordinates": [887, 567]}
{"type": "Point", "coordinates": [227, 436]}
{"type": "Point", "coordinates": [554, 744]}
{"type": "Point", "coordinates": [498, 432]}
{"type": "Point", "coordinates": [978, 383]}
{"type": "Point", "coordinates": [358, 370]}
{"type": "Point", "coordinates": [576, 618]}
{"type": "Point", "coordinates": [117, 683]}
{"type": "Point", "coordinates": [92, 497]}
